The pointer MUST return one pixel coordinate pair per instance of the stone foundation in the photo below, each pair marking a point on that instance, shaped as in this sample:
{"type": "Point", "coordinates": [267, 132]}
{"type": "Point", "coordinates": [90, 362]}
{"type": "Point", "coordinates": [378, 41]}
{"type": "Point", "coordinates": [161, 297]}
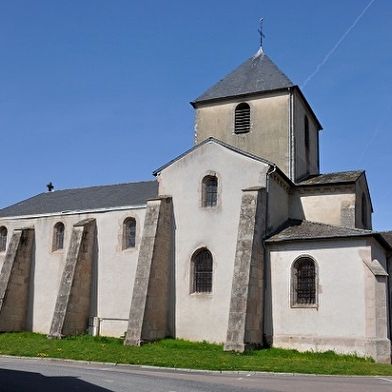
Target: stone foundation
{"type": "Point", "coordinates": [378, 349]}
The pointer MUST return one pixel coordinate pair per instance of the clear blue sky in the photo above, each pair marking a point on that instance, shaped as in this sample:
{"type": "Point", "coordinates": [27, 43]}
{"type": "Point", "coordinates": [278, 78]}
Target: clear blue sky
{"type": "Point", "coordinates": [97, 91]}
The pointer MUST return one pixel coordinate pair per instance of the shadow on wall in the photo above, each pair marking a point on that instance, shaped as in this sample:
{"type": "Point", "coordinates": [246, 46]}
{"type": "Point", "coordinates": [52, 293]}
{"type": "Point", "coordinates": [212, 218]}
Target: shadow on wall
{"type": "Point", "coordinates": [17, 381]}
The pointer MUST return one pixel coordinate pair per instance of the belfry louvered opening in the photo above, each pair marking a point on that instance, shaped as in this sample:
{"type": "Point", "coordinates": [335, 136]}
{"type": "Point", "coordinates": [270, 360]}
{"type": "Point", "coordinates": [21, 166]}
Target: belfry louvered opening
{"type": "Point", "coordinates": [242, 118]}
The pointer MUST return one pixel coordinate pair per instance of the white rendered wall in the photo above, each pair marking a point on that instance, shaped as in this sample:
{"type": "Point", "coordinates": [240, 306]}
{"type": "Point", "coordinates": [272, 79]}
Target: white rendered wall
{"type": "Point", "coordinates": [339, 322]}
{"type": "Point", "coordinates": [205, 316]}
{"type": "Point", "coordinates": [114, 268]}
{"type": "Point", "coordinates": [322, 207]}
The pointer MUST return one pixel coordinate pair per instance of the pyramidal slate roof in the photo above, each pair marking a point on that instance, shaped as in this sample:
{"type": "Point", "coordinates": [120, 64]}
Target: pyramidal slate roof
{"type": "Point", "coordinates": [257, 74]}
{"type": "Point", "coordinates": [84, 199]}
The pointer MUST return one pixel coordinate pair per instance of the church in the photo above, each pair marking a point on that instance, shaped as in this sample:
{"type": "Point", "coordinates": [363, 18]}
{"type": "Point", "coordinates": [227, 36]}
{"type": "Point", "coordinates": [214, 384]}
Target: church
{"type": "Point", "coordinates": [240, 240]}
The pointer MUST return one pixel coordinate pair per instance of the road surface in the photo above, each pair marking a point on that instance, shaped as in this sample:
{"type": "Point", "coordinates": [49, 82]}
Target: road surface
{"type": "Point", "coordinates": [33, 375]}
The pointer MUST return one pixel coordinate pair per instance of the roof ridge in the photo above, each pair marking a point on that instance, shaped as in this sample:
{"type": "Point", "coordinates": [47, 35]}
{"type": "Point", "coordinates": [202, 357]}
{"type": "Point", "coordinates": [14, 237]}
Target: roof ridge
{"type": "Point", "coordinates": [97, 186]}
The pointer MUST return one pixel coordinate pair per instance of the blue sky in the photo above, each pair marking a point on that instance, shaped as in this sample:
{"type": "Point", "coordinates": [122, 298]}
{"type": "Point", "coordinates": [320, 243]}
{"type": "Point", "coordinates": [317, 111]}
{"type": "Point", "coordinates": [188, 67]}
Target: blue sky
{"type": "Point", "coordinates": [97, 91]}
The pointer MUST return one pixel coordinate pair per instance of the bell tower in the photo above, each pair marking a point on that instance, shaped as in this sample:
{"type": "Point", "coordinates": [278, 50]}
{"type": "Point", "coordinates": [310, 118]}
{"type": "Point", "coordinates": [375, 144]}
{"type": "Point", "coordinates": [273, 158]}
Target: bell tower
{"type": "Point", "coordinates": [256, 108]}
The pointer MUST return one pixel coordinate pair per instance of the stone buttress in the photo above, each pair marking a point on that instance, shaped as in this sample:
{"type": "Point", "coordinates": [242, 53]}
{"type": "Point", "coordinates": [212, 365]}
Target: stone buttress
{"type": "Point", "coordinates": [245, 326]}
{"type": "Point", "coordinates": [15, 281]}
{"type": "Point", "coordinates": [72, 310]}
{"type": "Point", "coordinates": [149, 316]}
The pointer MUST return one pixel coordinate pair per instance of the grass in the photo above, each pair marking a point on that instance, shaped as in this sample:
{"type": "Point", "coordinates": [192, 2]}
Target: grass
{"type": "Point", "coordinates": [182, 354]}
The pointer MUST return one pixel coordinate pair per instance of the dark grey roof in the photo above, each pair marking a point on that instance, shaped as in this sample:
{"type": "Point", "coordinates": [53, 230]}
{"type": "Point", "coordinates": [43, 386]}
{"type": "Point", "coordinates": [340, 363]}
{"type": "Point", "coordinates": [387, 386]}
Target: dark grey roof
{"type": "Point", "coordinates": [387, 235]}
{"type": "Point", "coordinates": [333, 178]}
{"type": "Point", "coordinates": [257, 74]}
{"type": "Point", "coordinates": [82, 199]}
{"type": "Point", "coordinates": [296, 229]}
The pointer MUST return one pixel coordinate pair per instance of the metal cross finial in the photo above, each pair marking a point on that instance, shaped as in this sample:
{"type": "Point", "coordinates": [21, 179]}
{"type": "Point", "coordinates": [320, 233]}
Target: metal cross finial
{"type": "Point", "coordinates": [261, 33]}
{"type": "Point", "coordinates": [50, 186]}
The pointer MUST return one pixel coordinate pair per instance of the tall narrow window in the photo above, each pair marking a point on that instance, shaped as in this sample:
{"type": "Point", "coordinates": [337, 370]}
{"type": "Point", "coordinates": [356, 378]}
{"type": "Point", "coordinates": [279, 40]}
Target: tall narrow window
{"type": "Point", "coordinates": [210, 191]}
{"type": "Point", "coordinates": [242, 118]}
{"type": "Point", "coordinates": [58, 236]}
{"type": "Point", "coordinates": [202, 272]}
{"type": "Point", "coordinates": [304, 282]}
{"type": "Point", "coordinates": [364, 211]}
{"type": "Point", "coordinates": [306, 136]}
{"type": "Point", "coordinates": [129, 233]}
{"type": "Point", "coordinates": [306, 131]}
{"type": "Point", "coordinates": [3, 239]}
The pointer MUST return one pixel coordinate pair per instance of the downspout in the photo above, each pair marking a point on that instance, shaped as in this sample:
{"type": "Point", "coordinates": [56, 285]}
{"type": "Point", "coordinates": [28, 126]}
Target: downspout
{"type": "Point", "coordinates": [267, 188]}
{"type": "Point", "coordinates": [389, 270]}
{"type": "Point", "coordinates": [265, 257]}
{"type": "Point", "coordinates": [291, 136]}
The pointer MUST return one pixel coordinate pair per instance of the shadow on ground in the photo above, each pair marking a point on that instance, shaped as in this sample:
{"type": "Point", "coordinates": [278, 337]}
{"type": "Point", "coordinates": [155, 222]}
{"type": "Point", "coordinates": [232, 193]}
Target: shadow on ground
{"type": "Point", "coordinates": [18, 381]}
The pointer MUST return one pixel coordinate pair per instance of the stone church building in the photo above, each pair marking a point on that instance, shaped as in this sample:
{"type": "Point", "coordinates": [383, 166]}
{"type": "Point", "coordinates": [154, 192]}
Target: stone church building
{"type": "Point", "coordinates": [240, 240]}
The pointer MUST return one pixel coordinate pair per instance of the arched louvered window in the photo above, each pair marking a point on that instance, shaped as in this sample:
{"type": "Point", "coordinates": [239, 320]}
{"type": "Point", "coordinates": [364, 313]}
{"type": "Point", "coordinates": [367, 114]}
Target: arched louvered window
{"type": "Point", "coordinates": [129, 233]}
{"type": "Point", "coordinates": [304, 282]}
{"type": "Point", "coordinates": [202, 271]}
{"type": "Point", "coordinates": [209, 191]}
{"type": "Point", "coordinates": [242, 118]}
{"type": "Point", "coordinates": [58, 236]}
{"type": "Point", "coordinates": [3, 238]}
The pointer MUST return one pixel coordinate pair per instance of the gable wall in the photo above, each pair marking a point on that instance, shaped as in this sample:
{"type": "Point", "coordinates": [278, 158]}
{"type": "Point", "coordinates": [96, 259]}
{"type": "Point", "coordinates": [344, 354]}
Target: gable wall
{"type": "Point", "coordinates": [205, 316]}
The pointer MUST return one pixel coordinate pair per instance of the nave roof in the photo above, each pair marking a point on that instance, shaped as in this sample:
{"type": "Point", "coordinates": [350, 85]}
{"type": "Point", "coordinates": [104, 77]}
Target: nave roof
{"type": "Point", "coordinates": [84, 199]}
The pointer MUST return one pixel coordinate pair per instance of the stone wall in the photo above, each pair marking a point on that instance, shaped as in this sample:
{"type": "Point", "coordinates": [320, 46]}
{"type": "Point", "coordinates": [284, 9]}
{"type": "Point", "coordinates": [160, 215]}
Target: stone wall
{"type": "Point", "coordinates": [15, 280]}
{"type": "Point", "coordinates": [149, 317]}
{"type": "Point", "coordinates": [72, 308]}
{"type": "Point", "coordinates": [245, 326]}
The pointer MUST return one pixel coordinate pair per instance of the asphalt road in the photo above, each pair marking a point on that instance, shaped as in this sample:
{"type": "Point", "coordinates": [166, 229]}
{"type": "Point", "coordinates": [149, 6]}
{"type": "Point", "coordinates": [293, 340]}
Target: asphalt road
{"type": "Point", "coordinates": [33, 375]}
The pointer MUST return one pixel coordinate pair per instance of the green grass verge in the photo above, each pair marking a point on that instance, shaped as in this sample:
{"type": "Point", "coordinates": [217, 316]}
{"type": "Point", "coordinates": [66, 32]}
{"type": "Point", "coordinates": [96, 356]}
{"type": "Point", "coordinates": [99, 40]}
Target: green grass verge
{"type": "Point", "coordinates": [182, 354]}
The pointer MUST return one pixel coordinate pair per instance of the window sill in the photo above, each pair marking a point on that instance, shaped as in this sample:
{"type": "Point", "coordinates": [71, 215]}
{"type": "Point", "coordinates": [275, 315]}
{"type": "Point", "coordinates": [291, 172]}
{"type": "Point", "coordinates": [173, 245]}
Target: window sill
{"type": "Point", "coordinates": [304, 306]}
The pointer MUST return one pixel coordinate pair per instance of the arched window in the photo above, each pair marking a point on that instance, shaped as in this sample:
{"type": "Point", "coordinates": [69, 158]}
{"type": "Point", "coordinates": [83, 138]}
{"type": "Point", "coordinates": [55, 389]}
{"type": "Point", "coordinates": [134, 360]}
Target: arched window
{"type": "Point", "coordinates": [58, 236]}
{"type": "Point", "coordinates": [202, 271]}
{"type": "Point", "coordinates": [3, 239]}
{"type": "Point", "coordinates": [242, 118]}
{"type": "Point", "coordinates": [304, 282]}
{"type": "Point", "coordinates": [129, 233]}
{"type": "Point", "coordinates": [209, 191]}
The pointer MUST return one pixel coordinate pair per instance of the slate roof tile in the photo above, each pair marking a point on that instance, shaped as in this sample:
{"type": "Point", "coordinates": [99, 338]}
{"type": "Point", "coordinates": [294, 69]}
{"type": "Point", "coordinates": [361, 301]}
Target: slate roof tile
{"type": "Point", "coordinates": [332, 178]}
{"type": "Point", "coordinates": [257, 74]}
{"type": "Point", "coordinates": [295, 229]}
{"type": "Point", "coordinates": [82, 199]}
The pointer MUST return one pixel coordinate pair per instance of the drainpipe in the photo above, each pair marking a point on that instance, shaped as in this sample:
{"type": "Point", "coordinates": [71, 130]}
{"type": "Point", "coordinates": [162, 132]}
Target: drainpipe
{"type": "Point", "coordinates": [266, 308]}
{"type": "Point", "coordinates": [389, 270]}
{"type": "Point", "coordinates": [291, 136]}
{"type": "Point", "coordinates": [267, 186]}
